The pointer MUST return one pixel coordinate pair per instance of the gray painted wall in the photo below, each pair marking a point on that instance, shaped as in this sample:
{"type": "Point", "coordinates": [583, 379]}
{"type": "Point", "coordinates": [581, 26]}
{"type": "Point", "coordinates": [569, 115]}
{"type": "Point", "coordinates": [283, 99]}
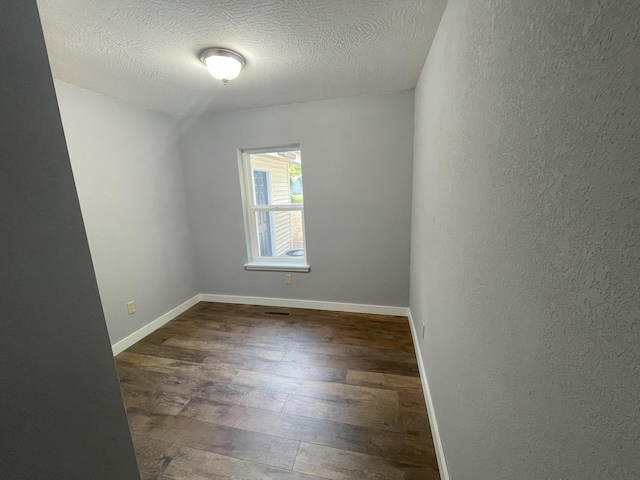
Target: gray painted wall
{"type": "Point", "coordinates": [356, 161]}
{"type": "Point", "coordinates": [525, 245]}
{"type": "Point", "coordinates": [128, 172]}
{"type": "Point", "coordinates": [60, 402]}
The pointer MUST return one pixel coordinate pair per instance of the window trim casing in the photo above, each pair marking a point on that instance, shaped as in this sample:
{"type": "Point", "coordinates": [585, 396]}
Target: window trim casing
{"type": "Point", "coordinates": [254, 261]}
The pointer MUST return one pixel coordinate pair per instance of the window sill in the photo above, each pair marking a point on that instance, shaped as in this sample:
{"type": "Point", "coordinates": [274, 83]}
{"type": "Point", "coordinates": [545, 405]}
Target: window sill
{"type": "Point", "coordinates": [276, 267]}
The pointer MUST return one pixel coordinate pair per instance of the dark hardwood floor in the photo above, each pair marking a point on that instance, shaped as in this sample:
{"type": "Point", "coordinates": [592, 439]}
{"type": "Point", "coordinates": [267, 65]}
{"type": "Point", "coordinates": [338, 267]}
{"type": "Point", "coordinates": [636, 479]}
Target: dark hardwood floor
{"type": "Point", "coordinates": [246, 392]}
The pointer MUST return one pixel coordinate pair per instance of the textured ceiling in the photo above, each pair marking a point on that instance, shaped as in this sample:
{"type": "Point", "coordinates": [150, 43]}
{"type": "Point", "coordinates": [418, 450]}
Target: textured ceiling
{"type": "Point", "coordinates": [145, 52]}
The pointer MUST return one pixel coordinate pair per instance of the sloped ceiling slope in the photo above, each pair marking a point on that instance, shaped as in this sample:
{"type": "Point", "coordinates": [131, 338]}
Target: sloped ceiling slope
{"type": "Point", "coordinates": [145, 52]}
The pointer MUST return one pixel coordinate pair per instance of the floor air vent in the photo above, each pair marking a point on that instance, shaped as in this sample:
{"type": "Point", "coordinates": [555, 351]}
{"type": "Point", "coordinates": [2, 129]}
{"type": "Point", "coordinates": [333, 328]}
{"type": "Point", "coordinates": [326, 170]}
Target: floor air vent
{"type": "Point", "coordinates": [276, 313]}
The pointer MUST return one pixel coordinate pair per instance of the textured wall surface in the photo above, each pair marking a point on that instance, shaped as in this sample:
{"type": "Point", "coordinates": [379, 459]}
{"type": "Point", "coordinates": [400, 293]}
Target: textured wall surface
{"type": "Point", "coordinates": [356, 163]}
{"type": "Point", "coordinates": [526, 238]}
{"type": "Point", "coordinates": [147, 52]}
{"type": "Point", "coordinates": [61, 409]}
{"type": "Point", "coordinates": [128, 173]}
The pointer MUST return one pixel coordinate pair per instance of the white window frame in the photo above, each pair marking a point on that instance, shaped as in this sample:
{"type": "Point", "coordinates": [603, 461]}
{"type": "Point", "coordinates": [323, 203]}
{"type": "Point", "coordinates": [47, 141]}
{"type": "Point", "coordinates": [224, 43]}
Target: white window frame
{"type": "Point", "coordinates": [254, 260]}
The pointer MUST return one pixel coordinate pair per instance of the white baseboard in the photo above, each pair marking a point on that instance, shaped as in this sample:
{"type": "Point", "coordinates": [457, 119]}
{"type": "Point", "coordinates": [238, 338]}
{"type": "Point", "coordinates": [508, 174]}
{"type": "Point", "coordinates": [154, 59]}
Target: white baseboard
{"type": "Point", "coordinates": [313, 304]}
{"type": "Point", "coordinates": [138, 335]}
{"type": "Point", "coordinates": [435, 433]}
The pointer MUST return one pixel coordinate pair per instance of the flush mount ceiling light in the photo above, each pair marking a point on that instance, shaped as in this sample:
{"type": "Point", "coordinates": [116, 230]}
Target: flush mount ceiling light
{"type": "Point", "coordinates": [222, 63]}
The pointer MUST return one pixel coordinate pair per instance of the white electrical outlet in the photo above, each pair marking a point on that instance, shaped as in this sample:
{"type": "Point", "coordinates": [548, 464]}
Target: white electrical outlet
{"type": "Point", "coordinates": [423, 330]}
{"type": "Point", "coordinates": [131, 307]}
{"type": "Point", "coordinates": [288, 279]}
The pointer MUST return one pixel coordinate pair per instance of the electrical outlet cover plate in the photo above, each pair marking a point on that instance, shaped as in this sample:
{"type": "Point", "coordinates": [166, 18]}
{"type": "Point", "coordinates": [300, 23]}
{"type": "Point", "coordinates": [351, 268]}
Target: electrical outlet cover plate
{"type": "Point", "coordinates": [288, 279]}
{"type": "Point", "coordinates": [131, 307]}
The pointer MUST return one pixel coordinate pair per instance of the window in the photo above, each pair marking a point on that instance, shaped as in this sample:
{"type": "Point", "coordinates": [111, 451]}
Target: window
{"type": "Point", "coordinates": [272, 196]}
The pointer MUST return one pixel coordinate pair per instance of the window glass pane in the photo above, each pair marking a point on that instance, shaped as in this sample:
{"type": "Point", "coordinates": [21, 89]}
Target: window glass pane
{"type": "Point", "coordinates": [277, 178]}
{"type": "Point", "coordinates": [261, 187]}
{"type": "Point", "coordinates": [280, 234]}
{"type": "Point", "coordinates": [295, 182]}
{"type": "Point", "coordinates": [264, 224]}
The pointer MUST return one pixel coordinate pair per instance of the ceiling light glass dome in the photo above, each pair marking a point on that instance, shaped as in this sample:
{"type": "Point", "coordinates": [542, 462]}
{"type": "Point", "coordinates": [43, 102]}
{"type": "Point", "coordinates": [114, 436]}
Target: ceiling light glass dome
{"type": "Point", "coordinates": [222, 63]}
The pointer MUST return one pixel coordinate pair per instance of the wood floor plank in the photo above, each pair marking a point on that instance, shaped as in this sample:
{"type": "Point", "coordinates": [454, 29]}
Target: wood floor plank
{"type": "Point", "coordinates": [190, 464]}
{"type": "Point", "coordinates": [286, 369]}
{"type": "Point", "coordinates": [310, 430]}
{"type": "Point", "coordinates": [214, 391]}
{"type": "Point", "coordinates": [229, 441]}
{"type": "Point", "coordinates": [363, 363]}
{"type": "Point", "coordinates": [152, 400]}
{"type": "Point", "coordinates": [175, 473]}
{"type": "Point", "coordinates": [148, 476]}
{"type": "Point", "coordinates": [353, 414]}
{"type": "Point", "coordinates": [204, 371]}
{"type": "Point", "coordinates": [153, 455]}
{"type": "Point", "coordinates": [163, 382]}
{"type": "Point", "coordinates": [175, 353]}
{"type": "Point", "coordinates": [412, 401]}
{"type": "Point", "coordinates": [141, 421]}
{"type": "Point", "coordinates": [415, 447]}
{"type": "Point", "coordinates": [384, 380]}
{"type": "Point", "coordinates": [354, 351]}
{"type": "Point", "coordinates": [356, 340]}
{"type": "Point", "coordinates": [241, 395]}
{"type": "Point", "coordinates": [313, 388]}
{"type": "Point", "coordinates": [216, 346]}
{"type": "Point", "coordinates": [224, 336]}
{"type": "Point", "coordinates": [337, 464]}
